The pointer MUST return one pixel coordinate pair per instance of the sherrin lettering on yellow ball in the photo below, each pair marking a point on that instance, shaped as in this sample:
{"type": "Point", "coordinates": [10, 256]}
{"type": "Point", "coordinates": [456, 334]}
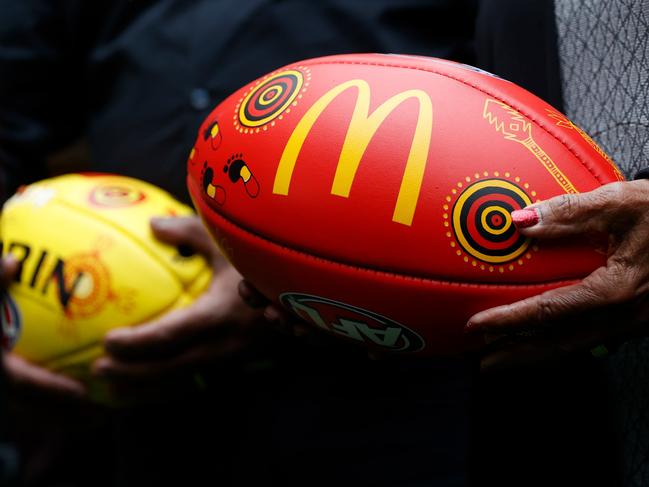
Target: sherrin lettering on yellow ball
{"type": "Point", "coordinates": [371, 195]}
{"type": "Point", "coordinates": [89, 263]}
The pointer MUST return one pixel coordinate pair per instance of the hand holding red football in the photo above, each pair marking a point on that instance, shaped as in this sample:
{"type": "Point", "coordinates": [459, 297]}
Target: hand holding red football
{"type": "Point", "coordinates": [274, 314]}
{"type": "Point", "coordinates": [608, 306]}
{"type": "Point", "coordinates": [282, 321]}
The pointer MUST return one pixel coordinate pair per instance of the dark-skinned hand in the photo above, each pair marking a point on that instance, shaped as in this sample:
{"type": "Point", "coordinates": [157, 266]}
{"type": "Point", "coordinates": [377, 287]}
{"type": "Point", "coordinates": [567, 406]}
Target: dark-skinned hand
{"type": "Point", "coordinates": [139, 360]}
{"type": "Point", "coordinates": [214, 327]}
{"type": "Point", "coordinates": [24, 375]}
{"type": "Point", "coordinates": [275, 315]}
{"type": "Point", "coordinates": [608, 307]}
{"type": "Point", "coordinates": [288, 324]}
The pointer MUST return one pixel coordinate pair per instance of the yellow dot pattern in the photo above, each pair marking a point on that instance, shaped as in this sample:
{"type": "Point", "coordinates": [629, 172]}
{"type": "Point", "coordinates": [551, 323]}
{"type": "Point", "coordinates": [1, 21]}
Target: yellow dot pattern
{"type": "Point", "coordinates": [477, 264]}
{"type": "Point", "coordinates": [263, 125]}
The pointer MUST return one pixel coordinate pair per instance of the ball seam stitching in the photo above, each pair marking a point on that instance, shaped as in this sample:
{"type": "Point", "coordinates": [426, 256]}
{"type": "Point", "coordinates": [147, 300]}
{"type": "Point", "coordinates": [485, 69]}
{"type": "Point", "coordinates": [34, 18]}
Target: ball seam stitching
{"type": "Point", "coordinates": [481, 89]}
{"type": "Point", "coordinates": [385, 272]}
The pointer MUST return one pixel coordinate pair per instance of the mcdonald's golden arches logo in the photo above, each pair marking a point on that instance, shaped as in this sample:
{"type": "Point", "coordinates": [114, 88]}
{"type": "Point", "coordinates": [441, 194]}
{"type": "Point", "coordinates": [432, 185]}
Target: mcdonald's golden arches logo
{"type": "Point", "coordinates": [361, 129]}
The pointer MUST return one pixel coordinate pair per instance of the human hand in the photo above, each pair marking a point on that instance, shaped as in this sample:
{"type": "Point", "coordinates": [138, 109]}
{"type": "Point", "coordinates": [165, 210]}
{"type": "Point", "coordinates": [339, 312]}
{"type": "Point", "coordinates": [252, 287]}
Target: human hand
{"type": "Point", "coordinates": [274, 314]}
{"type": "Point", "coordinates": [609, 306]}
{"type": "Point", "coordinates": [29, 377]}
{"type": "Point", "coordinates": [288, 324]}
{"type": "Point", "coordinates": [213, 327]}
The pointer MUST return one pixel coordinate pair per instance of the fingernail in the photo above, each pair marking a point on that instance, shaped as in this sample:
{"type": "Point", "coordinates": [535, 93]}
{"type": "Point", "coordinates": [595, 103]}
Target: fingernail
{"type": "Point", "coordinates": [275, 318]}
{"type": "Point", "coordinates": [249, 297]}
{"type": "Point", "coordinates": [271, 315]}
{"type": "Point", "coordinates": [471, 327]}
{"type": "Point", "coordinates": [525, 218]}
{"type": "Point", "coordinates": [10, 264]}
{"type": "Point", "coordinates": [160, 222]}
{"type": "Point", "coordinates": [100, 367]}
{"type": "Point", "coordinates": [119, 333]}
{"type": "Point", "coordinates": [9, 260]}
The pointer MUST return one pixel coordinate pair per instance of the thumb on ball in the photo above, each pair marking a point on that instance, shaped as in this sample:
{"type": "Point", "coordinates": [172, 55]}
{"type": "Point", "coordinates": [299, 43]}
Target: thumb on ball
{"type": "Point", "coordinates": [183, 231]}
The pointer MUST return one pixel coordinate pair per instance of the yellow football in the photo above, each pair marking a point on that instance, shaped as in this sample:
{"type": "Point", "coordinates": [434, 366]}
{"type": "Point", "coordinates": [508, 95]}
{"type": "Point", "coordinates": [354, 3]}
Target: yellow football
{"type": "Point", "coordinates": [89, 263]}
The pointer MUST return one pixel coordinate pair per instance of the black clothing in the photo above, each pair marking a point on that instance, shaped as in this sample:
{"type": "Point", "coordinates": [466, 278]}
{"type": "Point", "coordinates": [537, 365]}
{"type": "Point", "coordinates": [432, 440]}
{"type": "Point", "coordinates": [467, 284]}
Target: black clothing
{"type": "Point", "coordinates": [518, 41]}
{"type": "Point", "coordinates": [136, 78]}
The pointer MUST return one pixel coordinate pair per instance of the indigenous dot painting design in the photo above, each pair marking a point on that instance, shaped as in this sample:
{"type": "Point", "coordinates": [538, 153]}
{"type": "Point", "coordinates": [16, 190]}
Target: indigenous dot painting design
{"type": "Point", "coordinates": [89, 277]}
{"type": "Point", "coordinates": [193, 156]}
{"type": "Point", "coordinates": [270, 99]}
{"type": "Point", "coordinates": [213, 133]}
{"type": "Point", "coordinates": [90, 282]}
{"type": "Point", "coordinates": [115, 196]}
{"type": "Point", "coordinates": [477, 219]}
{"type": "Point", "coordinates": [566, 123]}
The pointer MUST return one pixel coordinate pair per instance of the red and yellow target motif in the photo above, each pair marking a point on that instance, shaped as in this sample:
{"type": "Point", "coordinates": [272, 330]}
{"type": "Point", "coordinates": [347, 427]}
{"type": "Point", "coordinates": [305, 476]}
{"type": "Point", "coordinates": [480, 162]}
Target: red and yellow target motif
{"type": "Point", "coordinates": [114, 196]}
{"type": "Point", "coordinates": [270, 99]}
{"type": "Point", "coordinates": [482, 224]}
{"type": "Point", "coordinates": [89, 279]}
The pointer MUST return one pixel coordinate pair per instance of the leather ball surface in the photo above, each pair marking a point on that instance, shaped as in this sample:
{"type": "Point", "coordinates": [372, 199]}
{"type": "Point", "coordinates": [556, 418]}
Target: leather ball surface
{"type": "Point", "coordinates": [371, 194]}
{"type": "Point", "coordinates": [89, 263]}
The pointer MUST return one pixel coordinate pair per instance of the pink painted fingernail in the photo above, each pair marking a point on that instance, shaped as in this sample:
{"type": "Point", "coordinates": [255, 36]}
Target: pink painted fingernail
{"type": "Point", "coordinates": [525, 218]}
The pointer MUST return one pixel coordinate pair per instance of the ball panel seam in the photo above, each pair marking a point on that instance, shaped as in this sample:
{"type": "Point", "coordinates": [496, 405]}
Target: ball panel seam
{"type": "Point", "coordinates": [533, 119]}
{"type": "Point", "coordinates": [385, 272]}
{"type": "Point", "coordinates": [132, 238]}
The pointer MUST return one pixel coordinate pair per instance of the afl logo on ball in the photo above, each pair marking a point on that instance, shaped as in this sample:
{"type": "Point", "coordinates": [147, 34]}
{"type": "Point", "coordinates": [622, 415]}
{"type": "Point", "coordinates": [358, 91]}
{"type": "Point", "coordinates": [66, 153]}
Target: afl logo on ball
{"type": "Point", "coordinates": [353, 323]}
{"type": "Point", "coordinates": [10, 322]}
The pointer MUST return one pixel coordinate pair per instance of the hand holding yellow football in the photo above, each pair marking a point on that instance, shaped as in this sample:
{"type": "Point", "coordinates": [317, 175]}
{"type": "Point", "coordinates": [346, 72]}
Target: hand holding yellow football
{"type": "Point", "coordinates": [89, 263]}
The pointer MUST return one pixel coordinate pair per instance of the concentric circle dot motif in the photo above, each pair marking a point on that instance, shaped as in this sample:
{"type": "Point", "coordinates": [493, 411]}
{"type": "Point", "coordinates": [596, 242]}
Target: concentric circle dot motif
{"type": "Point", "coordinates": [482, 224]}
{"type": "Point", "coordinates": [115, 196]}
{"type": "Point", "coordinates": [270, 99]}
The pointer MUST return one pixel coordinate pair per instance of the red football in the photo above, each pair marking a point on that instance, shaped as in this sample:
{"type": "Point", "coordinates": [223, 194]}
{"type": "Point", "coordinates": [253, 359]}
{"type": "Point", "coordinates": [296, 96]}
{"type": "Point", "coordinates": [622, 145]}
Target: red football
{"type": "Point", "coordinates": [371, 194]}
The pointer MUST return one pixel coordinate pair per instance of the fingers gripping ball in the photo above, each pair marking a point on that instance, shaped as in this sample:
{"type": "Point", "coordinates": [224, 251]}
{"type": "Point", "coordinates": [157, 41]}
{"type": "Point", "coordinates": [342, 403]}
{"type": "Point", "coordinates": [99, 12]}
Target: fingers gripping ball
{"type": "Point", "coordinates": [89, 263]}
